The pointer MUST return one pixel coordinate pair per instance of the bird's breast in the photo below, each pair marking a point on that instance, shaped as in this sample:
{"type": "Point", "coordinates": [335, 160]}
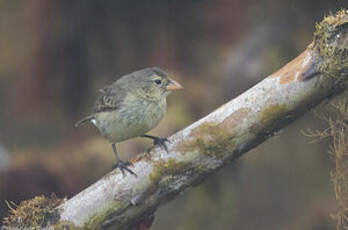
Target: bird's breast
{"type": "Point", "coordinates": [147, 114]}
{"type": "Point", "coordinates": [130, 120]}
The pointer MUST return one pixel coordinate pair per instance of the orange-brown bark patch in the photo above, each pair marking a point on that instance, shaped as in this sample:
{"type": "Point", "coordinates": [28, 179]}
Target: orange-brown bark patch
{"type": "Point", "coordinates": [288, 73]}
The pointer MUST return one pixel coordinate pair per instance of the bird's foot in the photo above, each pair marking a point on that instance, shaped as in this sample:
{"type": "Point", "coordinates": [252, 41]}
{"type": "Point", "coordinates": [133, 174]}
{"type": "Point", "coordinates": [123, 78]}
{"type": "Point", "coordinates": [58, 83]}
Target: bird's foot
{"type": "Point", "coordinates": [123, 166]}
{"type": "Point", "coordinates": [157, 141]}
{"type": "Point", "coordinates": [161, 142]}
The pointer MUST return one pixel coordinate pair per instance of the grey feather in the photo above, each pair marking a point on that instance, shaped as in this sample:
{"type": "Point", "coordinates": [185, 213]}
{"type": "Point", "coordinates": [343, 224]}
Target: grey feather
{"type": "Point", "coordinates": [110, 98]}
{"type": "Point", "coordinates": [84, 120]}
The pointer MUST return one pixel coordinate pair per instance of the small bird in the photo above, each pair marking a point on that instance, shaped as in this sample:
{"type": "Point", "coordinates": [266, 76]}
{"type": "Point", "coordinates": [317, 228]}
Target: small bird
{"type": "Point", "coordinates": [130, 107]}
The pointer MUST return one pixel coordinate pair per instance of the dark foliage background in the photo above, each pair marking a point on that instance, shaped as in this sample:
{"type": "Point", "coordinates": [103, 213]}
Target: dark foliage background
{"type": "Point", "coordinates": [56, 54]}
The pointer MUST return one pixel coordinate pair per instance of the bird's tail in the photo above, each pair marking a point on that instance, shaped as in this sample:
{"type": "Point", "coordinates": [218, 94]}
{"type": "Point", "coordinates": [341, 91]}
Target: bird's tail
{"type": "Point", "coordinates": [84, 120]}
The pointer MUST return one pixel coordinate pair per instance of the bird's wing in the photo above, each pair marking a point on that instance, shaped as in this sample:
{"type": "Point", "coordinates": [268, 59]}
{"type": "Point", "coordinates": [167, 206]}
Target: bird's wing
{"type": "Point", "coordinates": [110, 98]}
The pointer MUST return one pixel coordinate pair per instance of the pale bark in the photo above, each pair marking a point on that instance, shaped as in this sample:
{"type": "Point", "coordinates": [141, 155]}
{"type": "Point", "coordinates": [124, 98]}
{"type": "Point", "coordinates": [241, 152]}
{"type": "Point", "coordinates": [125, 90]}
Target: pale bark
{"type": "Point", "coordinates": [117, 202]}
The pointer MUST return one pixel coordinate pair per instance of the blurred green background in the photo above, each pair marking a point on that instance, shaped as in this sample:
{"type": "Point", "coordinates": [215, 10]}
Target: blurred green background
{"type": "Point", "coordinates": [55, 55]}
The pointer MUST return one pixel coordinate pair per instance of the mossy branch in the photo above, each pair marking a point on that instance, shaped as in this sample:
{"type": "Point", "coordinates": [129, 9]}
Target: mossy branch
{"type": "Point", "coordinates": [117, 202]}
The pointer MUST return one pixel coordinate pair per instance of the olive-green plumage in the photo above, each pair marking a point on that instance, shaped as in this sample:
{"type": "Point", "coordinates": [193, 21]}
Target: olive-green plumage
{"type": "Point", "coordinates": [132, 105]}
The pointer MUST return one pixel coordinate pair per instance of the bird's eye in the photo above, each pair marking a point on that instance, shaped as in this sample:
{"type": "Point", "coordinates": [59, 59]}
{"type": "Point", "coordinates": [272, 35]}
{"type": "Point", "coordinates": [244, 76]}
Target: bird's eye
{"type": "Point", "coordinates": [158, 81]}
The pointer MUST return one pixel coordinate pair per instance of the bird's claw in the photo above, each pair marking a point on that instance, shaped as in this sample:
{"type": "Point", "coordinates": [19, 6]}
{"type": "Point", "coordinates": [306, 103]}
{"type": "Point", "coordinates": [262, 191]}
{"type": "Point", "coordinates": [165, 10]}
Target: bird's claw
{"type": "Point", "coordinates": [161, 142]}
{"type": "Point", "coordinates": [157, 141]}
{"type": "Point", "coordinates": [123, 166]}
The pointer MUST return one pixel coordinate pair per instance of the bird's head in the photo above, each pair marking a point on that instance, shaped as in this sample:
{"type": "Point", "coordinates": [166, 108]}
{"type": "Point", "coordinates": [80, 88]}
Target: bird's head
{"type": "Point", "coordinates": [155, 83]}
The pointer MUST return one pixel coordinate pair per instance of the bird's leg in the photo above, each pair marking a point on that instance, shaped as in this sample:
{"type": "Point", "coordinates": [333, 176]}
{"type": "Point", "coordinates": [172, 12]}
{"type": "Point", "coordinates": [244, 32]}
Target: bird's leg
{"type": "Point", "coordinates": [158, 141]}
{"type": "Point", "coordinates": [123, 165]}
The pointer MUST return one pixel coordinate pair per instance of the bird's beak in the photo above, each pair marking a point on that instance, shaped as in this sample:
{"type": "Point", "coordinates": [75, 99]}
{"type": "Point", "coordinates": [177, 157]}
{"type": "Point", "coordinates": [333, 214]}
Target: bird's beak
{"type": "Point", "coordinates": [173, 85]}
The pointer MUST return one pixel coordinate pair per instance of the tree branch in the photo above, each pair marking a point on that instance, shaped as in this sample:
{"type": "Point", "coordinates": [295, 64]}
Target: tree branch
{"type": "Point", "coordinates": [117, 202]}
